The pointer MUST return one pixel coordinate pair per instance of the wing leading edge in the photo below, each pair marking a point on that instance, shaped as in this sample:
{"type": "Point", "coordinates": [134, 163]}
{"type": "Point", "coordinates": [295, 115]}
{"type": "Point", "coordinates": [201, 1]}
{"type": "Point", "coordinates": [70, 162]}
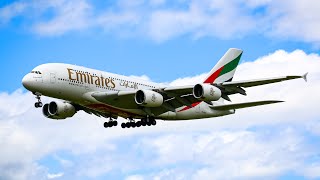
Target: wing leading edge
{"type": "Point", "coordinates": [259, 82]}
{"type": "Point", "coordinates": [235, 87]}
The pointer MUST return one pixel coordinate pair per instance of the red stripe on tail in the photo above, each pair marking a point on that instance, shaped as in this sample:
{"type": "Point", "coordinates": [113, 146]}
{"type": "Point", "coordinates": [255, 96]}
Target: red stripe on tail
{"type": "Point", "coordinates": [213, 76]}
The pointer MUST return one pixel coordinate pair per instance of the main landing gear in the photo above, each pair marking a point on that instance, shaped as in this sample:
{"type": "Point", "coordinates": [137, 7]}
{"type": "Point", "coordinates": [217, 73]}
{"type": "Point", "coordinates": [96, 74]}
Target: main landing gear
{"type": "Point", "coordinates": [38, 104]}
{"type": "Point", "coordinates": [110, 123]}
{"type": "Point", "coordinates": [143, 122]}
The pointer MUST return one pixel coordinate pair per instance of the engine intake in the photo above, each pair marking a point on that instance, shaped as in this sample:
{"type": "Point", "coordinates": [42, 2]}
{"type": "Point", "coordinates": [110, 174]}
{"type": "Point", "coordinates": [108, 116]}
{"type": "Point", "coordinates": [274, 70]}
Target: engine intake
{"type": "Point", "coordinates": [148, 98]}
{"type": "Point", "coordinates": [206, 92]}
{"type": "Point", "coordinates": [58, 110]}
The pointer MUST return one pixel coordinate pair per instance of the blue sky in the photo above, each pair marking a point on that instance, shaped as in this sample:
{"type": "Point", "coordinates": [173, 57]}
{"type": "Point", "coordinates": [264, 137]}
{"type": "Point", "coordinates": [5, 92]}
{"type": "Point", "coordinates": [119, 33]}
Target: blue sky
{"type": "Point", "coordinates": [97, 46]}
{"type": "Point", "coordinates": [175, 42]}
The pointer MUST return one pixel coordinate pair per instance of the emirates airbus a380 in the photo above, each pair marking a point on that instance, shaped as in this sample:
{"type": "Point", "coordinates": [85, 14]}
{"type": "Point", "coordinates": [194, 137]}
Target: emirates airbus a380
{"type": "Point", "coordinates": [111, 95]}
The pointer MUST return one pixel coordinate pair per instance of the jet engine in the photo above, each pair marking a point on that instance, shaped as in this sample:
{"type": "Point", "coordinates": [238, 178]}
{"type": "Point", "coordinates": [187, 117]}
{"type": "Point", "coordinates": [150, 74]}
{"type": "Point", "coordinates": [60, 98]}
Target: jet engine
{"type": "Point", "coordinates": [206, 92]}
{"type": "Point", "coordinates": [148, 98]}
{"type": "Point", "coordinates": [58, 110]}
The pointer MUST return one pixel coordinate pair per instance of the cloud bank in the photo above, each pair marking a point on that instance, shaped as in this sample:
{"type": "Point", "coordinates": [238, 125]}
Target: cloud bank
{"type": "Point", "coordinates": [262, 142]}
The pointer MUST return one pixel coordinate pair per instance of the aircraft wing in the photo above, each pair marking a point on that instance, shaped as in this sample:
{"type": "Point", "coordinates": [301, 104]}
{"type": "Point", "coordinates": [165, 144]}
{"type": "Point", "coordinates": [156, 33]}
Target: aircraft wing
{"type": "Point", "coordinates": [234, 87]}
{"type": "Point", "coordinates": [258, 82]}
{"type": "Point", "coordinates": [179, 96]}
{"type": "Point", "coordinates": [243, 105]}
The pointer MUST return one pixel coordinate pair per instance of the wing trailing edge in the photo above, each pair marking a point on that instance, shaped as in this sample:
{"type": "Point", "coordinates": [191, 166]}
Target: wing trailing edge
{"type": "Point", "coordinates": [243, 105]}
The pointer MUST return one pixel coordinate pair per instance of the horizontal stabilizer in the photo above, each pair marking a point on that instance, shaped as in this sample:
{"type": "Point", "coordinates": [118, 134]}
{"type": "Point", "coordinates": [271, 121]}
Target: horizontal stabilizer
{"type": "Point", "coordinates": [243, 105]}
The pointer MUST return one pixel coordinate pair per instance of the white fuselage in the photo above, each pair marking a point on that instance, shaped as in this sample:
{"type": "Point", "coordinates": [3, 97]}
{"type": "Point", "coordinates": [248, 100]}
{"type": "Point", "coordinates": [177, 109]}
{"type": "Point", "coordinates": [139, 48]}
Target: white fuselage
{"type": "Point", "coordinates": [76, 84]}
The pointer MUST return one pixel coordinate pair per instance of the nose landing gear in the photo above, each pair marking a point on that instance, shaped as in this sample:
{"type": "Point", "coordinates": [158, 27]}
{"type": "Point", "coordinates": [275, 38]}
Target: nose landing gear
{"type": "Point", "coordinates": [39, 103]}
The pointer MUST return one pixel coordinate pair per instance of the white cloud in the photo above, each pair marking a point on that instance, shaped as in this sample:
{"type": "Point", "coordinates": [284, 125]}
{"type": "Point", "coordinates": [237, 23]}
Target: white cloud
{"type": "Point", "coordinates": [188, 80]}
{"type": "Point", "coordinates": [211, 147]}
{"type": "Point", "coordinates": [9, 108]}
{"type": "Point", "coordinates": [70, 16]}
{"type": "Point", "coordinates": [134, 177]}
{"type": "Point", "coordinates": [54, 176]}
{"type": "Point", "coordinates": [296, 19]}
{"type": "Point", "coordinates": [159, 21]}
{"type": "Point", "coordinates": [112, 21]}
{"type": "Point", "coordinates": [12, 10]}
{"type": "Point", "coordinates": [227, 155]}
{"type": "Point", "coordinates": [210, 18]}
{"type": "Point", "coordinates": [312, 171]}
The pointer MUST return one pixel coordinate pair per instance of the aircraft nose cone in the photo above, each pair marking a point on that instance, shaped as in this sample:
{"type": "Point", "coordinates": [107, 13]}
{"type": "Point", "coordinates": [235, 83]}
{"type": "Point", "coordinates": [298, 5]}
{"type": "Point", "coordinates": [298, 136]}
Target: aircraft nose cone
{"type": "Point", "coordinates": [26, 81]}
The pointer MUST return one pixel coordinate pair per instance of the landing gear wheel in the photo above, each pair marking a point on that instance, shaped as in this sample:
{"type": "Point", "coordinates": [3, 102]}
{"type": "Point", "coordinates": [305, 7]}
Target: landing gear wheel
{"type": "Point", "coordinates": [153, 123]}
{"type": "Point", "coordinates": [111, 124]}
{"type": "Point", "coordinates": [106, 124]}
{"type": "Point", "coordinates": [138, 124]}
{"type": "Point", "coordinates": [147, 121]}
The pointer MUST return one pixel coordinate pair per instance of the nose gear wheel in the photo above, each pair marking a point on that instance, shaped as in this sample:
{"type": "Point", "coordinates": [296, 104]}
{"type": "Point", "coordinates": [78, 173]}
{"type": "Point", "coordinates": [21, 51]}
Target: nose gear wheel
{"type": "Point", "coordinates": [38, 104]}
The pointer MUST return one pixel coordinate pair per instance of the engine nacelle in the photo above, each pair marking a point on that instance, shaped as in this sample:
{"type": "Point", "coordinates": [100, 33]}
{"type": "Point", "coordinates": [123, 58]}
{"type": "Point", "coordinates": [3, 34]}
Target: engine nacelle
{"type": "Point", "coordinates": [58, 110]}
{"type": "Point", "coordinates": [148, 98]}
{"type": "Point", "coordinates": [206, 92]}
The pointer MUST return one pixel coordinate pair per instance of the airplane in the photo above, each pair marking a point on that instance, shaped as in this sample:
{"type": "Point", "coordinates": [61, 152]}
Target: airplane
{"type": "Point", "coordinates": [111, 95]}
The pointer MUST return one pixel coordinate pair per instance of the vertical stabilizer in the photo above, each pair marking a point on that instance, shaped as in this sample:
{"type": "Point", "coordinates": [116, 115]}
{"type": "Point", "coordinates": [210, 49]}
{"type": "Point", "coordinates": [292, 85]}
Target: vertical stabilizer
{"type": "Point", "coordinates": [226, 67]}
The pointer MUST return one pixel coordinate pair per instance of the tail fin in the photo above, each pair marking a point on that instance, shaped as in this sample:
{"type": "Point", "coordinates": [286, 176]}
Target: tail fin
{"type": "Point", "coordinates": [226, 67]}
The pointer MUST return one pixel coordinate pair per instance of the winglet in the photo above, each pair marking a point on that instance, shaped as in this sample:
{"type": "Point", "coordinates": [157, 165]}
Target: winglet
{"type": "Point", "coordinates": [305, 77]}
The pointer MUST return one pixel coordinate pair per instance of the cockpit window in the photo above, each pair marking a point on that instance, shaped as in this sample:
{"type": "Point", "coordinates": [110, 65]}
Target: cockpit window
{"type": "Point", "coordinates": [36, 72]}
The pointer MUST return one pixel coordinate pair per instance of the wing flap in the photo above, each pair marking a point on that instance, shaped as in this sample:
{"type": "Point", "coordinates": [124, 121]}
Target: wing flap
{"type": "Point", "coordinates": [243, 105]}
